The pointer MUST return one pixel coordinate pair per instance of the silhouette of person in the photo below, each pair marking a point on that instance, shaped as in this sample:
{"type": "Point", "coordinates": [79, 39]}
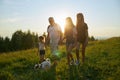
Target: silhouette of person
{"type": "Point", "coordinates": [41, 48]}
{"type": "Point", "coordinates": [54, 36]}
{"type": "Point", "coordinates": [82, 36]}
{"type": "Point", "coordinates": [70, 35]}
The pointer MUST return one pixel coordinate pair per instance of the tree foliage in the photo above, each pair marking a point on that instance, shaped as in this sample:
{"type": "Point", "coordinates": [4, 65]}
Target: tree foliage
{"type": "Point", "coordinates": [92, 38]}
{"type": "Point", "coordinates": [20, 41]}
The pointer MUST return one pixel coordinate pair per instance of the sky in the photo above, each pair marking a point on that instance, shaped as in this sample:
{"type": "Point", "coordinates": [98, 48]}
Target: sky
{"type": "Point", "coordinates": [101, 16]}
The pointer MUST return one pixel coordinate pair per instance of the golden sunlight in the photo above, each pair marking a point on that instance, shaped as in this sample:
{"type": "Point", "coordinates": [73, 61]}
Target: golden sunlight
{"type": "Point", "coordinates": [60, 19]}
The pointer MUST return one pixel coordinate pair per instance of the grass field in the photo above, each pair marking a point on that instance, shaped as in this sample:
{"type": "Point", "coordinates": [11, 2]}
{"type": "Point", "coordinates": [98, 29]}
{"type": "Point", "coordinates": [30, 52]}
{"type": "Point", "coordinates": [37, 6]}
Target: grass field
{"type": "Point", "coordinates": [102, 63]}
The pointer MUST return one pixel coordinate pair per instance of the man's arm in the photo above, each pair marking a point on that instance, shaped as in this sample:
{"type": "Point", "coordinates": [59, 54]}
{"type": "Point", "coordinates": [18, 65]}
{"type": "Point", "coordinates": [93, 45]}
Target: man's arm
{"type": "Point", "coordinates": [48, 37]}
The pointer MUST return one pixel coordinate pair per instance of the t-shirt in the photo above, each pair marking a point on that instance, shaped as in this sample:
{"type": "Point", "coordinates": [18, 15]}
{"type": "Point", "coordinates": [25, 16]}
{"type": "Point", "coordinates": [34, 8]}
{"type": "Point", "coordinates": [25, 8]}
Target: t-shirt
{"type": "Point", "coordinates": [70, 34]}
{"type": "Point", "coordinates": [74, 32]}
{"type": "Point", "coordinates": [54, 33]}
{"type": "Point", "coordinates": [81, 33]}
{"type": "Point", "coordinates": [41, 46]}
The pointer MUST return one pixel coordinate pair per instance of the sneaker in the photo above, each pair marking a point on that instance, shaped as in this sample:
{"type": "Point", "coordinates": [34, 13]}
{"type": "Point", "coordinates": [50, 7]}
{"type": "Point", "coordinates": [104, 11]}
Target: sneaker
{"type": "Point", "coordinates": [72, 62]}
{"type": "Point", "coordinates": [77, 62]}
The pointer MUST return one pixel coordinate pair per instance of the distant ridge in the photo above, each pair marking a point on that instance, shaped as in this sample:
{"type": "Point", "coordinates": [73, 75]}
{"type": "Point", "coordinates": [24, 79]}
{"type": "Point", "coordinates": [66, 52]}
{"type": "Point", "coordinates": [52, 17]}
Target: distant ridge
{"type": "Point", "coordinates": [104, 38]}
{"type": "Point", "coordinates": [112, 38]}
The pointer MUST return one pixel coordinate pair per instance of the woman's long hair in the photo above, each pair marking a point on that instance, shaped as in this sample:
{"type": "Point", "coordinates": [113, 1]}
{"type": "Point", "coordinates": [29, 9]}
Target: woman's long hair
{"type": "Point", "coordinates": [68, 26]}
{"type": "Point", "coordinates": [80, 20]}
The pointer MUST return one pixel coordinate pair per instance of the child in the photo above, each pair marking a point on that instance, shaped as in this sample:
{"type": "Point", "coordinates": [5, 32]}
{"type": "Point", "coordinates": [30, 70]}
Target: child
{"type": "Point", "coordinates": [41, 48]}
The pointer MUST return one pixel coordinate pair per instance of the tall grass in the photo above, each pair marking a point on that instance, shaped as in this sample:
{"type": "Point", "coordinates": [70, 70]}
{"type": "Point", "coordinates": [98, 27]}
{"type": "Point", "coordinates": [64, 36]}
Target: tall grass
{"type": "Point", "coordinates": [102, 63]}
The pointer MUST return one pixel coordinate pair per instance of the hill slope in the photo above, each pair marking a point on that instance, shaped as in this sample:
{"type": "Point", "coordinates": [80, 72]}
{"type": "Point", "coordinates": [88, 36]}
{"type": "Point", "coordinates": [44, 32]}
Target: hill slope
{"type": "Point", "coordinates": [102, 63]}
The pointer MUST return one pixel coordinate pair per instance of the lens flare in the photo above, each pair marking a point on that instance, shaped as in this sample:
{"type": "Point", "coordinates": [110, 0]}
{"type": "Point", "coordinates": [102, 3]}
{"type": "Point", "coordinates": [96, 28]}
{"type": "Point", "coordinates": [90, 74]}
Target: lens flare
{"type": "Point", "coordinates": [58, 53]}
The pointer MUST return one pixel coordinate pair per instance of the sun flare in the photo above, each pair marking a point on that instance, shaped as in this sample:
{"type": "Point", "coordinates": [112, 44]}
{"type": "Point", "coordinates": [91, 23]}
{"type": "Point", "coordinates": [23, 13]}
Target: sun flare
{"type": "Point", "coordinates": [60, 19]}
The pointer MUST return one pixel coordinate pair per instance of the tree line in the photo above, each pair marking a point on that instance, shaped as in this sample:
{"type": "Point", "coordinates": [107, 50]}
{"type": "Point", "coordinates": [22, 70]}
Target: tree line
{"type": "Point", "coordinates": [20, 41]}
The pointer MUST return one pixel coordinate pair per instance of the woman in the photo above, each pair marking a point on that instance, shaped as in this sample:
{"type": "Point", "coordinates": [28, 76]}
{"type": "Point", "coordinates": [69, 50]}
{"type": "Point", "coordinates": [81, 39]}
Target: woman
{"type": "Point", "coordinates": [82, 36]}
{"type": "Point", "coordinates": [70, 35]}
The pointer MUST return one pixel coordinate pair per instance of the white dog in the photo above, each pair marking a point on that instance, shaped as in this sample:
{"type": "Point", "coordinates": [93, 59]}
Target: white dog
{"type": "Point", "coordinates": [44, 65]}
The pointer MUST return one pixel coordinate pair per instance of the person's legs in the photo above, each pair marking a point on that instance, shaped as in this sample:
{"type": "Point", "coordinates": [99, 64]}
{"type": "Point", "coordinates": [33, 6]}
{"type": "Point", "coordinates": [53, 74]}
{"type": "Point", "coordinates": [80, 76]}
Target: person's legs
{"type": "Point", "coordinates": [41, 58]}
{"type": "Point", "coordinates": [54, 49]}
{"type": "Point", "coordinates": [77, 51]}
{"type": "Point", "coordinates": [54, 46]}
{"type": "Point", "coordinates": [70, 56]}
{"type": "Point", "coordinates": [72, 60]}
{"type": "Point", "coordinates": [42, 53]}
{"type": "Point", "coordinates": [69, 50]}
{"type": "Point", "coordinates": [83, 52]}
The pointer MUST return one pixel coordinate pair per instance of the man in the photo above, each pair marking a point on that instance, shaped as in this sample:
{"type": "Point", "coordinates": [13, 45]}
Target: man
{"type": "Point", "coordinates": [54, 36]}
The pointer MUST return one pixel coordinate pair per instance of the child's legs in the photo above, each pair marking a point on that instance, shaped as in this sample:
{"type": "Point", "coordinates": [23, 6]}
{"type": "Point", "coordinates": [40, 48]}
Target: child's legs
{"type": "Point", "coordinates": [42, 54]}
{"type": "Point", "coordinates": [41, 58]}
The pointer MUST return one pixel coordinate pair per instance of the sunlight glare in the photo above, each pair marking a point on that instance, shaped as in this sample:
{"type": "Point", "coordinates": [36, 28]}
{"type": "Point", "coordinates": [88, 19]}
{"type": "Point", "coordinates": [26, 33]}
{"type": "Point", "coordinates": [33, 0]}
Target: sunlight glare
{"type": "Point", "coordinates": [60, 19]}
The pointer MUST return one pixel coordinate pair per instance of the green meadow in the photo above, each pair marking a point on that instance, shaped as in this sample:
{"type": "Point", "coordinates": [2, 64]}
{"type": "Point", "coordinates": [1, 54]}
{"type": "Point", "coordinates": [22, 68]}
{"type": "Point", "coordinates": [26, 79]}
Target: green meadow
{"type": "Point", "coordinates": [102, 63]}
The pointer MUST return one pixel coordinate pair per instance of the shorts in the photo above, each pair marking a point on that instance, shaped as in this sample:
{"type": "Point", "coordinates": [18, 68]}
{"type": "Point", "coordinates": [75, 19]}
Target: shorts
{"type": "Point", "coordinates": [42, 52]}
{"type": "Point", "coordinates": [81, 39]}
{"type": "Point", "coordinates": [70, 42]}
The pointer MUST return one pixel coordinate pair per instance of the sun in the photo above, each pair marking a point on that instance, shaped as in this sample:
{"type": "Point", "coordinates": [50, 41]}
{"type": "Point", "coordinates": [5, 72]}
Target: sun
{"type": "Point", "coordinates": [60, 19]}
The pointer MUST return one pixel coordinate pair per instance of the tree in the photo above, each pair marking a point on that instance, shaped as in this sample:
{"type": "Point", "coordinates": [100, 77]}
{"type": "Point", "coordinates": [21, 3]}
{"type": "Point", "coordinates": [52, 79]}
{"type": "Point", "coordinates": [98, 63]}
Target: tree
{"type": "Point", "coordinates": [1, 44]}
{"type": "Point", "coordinates": [16, 40]}
{"type": "Point", "coordinates": [19, 41]}
{"type": "Point", "coordinates": [29, 40]}
{"type": "Point", "coordinates": [7, 45]}
{"type": "Point", "coordinates": [91, 38]}
{"type": "Point", "coordinates": [36, 40]}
